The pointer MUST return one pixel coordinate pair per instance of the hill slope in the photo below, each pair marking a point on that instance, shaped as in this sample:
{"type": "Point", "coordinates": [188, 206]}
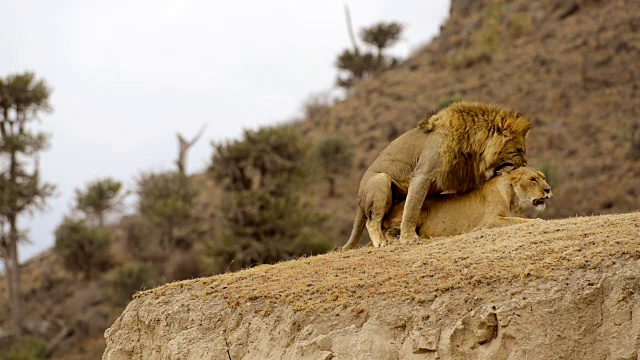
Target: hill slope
{"type": "Point", "coordinates": [559, 289]}
{"type": "Point", "coordinates": [572, 67]}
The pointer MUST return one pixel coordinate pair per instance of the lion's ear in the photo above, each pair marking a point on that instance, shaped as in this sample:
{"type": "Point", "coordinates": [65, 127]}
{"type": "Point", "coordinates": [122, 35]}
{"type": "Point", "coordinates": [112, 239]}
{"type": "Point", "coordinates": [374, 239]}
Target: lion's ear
{"type": "Point", "coordinates": [505, 167]}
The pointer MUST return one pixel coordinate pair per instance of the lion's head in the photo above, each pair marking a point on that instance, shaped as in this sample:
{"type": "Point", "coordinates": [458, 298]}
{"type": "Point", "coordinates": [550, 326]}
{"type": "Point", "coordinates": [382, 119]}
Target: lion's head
{"type": "Point", "coordinates": [478, 140]}
{"type": "Point", "coordinates": [530, 186]}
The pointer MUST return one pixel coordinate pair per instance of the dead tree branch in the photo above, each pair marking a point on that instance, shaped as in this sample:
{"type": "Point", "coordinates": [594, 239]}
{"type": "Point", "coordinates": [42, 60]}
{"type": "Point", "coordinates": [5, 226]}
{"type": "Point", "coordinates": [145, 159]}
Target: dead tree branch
{"type": "Point", "coordinates": [183, 148]}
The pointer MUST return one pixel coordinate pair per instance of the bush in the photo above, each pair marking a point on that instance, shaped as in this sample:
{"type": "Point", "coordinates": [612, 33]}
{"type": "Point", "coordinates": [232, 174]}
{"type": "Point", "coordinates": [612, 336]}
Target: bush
{"type": "Point", "coordinates": [270, 157]}
{"type": "Point", "coordinates": [82, 248]}
{"type": "Point", "coordinates": [99, 199]}
{"type": "Point", "coordinates": [165, 200]}
{"type": "Point", "coordinates": [443, 102]}
{"type": "Point", "coordinates": [26, 348]}
{"type": "Point", "coordinates": [263, 229]}
{"type": "Point", "coordinates": [127, 279]}
{"type": "Point", "coordinates": [264, 219]}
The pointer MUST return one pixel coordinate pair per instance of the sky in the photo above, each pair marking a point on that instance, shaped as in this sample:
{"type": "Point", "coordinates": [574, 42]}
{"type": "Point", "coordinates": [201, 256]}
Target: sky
{"type": "Point", "coordinates": [128, 74]}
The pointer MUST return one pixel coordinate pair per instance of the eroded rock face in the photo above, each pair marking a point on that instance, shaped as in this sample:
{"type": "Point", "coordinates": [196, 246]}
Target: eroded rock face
{"type": "Point", "coordinates": [589, 315]}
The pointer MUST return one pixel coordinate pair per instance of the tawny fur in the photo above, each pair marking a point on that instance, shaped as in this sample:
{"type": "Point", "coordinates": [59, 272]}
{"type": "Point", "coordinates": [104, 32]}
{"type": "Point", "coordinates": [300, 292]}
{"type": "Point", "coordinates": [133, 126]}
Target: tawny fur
{"type": "Point", "coordinates": [499, 202]}
{"type": "Point", "coordinates": [455, 150]}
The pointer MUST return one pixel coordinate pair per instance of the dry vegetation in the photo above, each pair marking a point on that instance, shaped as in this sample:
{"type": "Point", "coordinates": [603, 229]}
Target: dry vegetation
{"type": "Point", "coordinates": [365, 279]}
{"type": "Point", "coordinates": [573, 71]}
{"type": "Point", "coordinates": [574, 74]}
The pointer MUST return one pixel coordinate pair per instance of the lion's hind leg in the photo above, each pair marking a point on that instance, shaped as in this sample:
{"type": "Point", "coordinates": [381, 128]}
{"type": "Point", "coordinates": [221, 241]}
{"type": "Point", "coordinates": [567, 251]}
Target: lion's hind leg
{"type": "Point", "coordinates": [375, 233]}
{"type": "Point", "coordinates": [378, 204]}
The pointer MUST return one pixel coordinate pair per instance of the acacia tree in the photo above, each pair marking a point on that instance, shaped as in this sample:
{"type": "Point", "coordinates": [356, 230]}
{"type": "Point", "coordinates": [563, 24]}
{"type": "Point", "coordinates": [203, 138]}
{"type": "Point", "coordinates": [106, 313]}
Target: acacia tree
{"type": "Point", "coordinates": [359, 65]}
{"type": "Point", "coordinates": [98, 199]}
{"type": "Point", "coordinates": [22, 98]}
{"type": "Point", "coordinates": [381, 36]}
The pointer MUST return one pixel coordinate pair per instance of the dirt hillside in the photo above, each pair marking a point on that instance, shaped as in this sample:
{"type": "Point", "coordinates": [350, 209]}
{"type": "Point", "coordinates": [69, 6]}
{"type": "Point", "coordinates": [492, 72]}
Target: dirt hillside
{"type": "Point", "coordinates": [571, 66]}
{"type": "Point", "coordinates": [560, 289]}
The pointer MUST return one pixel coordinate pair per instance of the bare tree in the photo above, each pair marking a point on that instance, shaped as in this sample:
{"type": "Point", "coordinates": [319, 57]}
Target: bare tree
{"type": "Point", "coordinates": [347, 15]}
{"type": "Point", "coordinates": [183, 148]}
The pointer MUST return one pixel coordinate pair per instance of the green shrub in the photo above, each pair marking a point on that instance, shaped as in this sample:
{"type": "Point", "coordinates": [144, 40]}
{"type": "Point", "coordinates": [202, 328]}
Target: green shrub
{"type": "Point", "coordinates": [81, 248]}
{"type": "Point", "coordinates": [99, 199]}
{"type": "Point", "coordinates": [445, 101]}
{"type": "Point", "coordinates": [125, 280]}
{"type": "Point", "coordinates": [264, 229]}
{"type": "Point", "coordinates": [270, 157]}
{"type": "Point", "coordinates": [141, 240]}
{"type": "Point", "coordinates": [264, 219]}
{"type": "Point", "coordinates": [165, 200]}
{"type": "Point", "coordinates": [26, 348]}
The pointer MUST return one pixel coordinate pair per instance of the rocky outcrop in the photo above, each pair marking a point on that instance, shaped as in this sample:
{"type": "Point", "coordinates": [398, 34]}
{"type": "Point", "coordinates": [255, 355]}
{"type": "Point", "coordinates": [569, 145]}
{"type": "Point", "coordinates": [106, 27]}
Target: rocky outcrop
{"type": "Point", "coordinates": [582, 306]}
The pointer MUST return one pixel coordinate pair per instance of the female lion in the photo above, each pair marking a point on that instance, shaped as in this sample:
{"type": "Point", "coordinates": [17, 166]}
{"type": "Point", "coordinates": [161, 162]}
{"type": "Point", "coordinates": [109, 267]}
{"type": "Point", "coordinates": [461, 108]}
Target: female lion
{"type": "Point", "coordinates": [499, 202]}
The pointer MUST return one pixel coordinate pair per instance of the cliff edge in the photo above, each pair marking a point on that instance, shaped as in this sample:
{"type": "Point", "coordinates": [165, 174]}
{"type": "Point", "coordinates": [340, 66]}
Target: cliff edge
{"type": "Point", "coordinates": [562, 289]}
{"type": "Point", "coordinates": [565, 289]}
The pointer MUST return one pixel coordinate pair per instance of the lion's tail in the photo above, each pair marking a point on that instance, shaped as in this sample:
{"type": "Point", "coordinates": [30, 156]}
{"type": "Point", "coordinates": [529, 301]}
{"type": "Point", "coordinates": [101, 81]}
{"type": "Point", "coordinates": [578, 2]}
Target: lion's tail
{"type": "Point", "coordinates": [356, 232]}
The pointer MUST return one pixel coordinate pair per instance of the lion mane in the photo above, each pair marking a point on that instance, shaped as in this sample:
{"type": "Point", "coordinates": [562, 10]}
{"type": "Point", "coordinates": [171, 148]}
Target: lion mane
{"type": "Point", "coordinates": [455, 150]}
{"type": "Point", "coordinates": [465, 147]}
{"type": "Point", "coordinates": [499, 202]}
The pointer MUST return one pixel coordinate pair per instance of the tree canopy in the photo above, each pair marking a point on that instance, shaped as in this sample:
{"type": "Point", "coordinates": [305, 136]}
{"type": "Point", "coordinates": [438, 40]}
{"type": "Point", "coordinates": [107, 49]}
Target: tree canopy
{"type": "Point", "coordinates": [357, 65]}
{"type": "Point", "coordinates": [98, 198]}
{"type": "Point", "coordinates": [265, 220]}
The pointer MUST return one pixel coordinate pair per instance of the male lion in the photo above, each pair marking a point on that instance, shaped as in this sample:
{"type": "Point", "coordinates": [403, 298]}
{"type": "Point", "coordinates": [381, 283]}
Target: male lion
{"type": "Point", "coordinates": [499, 202]}
{"type": "Point", "coordinates": [455, 150]}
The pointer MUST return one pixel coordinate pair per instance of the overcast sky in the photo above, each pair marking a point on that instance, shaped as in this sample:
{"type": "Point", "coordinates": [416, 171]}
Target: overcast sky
{"type": "Point", "coordinates": [126, 75]}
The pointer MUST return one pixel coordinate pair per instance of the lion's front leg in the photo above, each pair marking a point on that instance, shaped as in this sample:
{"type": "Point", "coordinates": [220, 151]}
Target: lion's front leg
{"type": "Point", "coordinates": [508, 220]}
{"type": "Point", "coordinates": [418, 189]}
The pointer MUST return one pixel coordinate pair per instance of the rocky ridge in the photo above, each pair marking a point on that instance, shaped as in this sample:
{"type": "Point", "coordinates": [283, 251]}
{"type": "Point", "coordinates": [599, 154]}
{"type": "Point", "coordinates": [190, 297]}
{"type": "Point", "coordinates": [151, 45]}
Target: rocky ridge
{"type": "Point", "coordinates": [565, 289]}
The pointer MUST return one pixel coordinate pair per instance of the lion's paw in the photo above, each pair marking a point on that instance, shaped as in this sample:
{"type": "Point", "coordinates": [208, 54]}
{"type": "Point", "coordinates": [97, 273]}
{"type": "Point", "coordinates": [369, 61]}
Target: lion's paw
{"type": "Point", "coordinates": [409, 240]}
{"type": "Point", "coordinates": [382, 243]}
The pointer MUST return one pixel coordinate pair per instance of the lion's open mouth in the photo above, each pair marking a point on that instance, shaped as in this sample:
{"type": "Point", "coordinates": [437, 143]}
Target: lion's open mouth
{"type": "Point", "coordinates": [538, 202]}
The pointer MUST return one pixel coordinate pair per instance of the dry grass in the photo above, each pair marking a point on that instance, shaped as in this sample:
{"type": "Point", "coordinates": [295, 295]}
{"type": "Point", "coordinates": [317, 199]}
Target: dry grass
{"type": "Point", "coordinates": [362, 279]}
